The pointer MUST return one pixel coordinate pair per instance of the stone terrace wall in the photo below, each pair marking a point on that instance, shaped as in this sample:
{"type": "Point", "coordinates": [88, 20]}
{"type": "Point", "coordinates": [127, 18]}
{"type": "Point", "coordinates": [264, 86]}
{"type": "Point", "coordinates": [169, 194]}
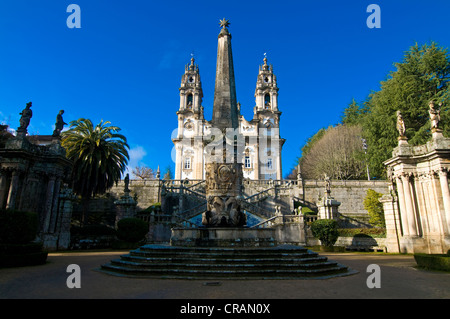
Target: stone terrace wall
{"type": "Point", "coordinates": [145, 190]}
{"type": "Point", "coordinates": [350, 193]}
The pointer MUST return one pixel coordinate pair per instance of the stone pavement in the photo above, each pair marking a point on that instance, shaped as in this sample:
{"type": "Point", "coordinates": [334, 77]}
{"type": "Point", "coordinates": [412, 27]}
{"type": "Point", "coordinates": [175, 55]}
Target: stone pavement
{"type": "Point", "coordinates": [399, 279]}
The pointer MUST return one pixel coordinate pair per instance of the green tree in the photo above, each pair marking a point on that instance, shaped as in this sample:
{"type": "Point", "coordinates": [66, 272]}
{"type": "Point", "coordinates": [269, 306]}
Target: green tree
{"type": "Point", "coordinates": [423, 75]}
{"type": "Point", "coordinates": [354, 113]}
{"type": "Point", "coordinates": [374, 207]}
{"type": "Point", "coordinates": [99, 155]}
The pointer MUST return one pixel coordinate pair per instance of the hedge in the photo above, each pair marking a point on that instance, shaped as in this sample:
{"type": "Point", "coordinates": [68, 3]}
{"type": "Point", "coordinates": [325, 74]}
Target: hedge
{"type": "Point", "coordinates": [362, 232]}
{"type": "Point", "coordinates": [132, 230]}
{"type": "Point", "coordinates": [18, 227]}
{"type": "Point", "coordinates": [433, 261]}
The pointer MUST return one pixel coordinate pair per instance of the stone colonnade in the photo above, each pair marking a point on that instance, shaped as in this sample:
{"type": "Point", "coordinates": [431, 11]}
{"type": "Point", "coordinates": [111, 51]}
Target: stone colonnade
{"type": "Point", "coordinates": [417, 211]}
{"type": "Point", "coordinates": [32, 179]}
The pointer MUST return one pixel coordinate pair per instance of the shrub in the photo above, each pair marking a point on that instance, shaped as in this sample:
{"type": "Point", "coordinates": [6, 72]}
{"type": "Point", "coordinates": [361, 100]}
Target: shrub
{"type": "Point", "coordinates": [92, 230]}
{"type": "Point", "coordinates": [17, 227]}
{"type": "Point", "coordinates": [356, 232]}
{"type": "Point", "coordinates": [433, 261]}
{"type": "Point", "coordinates": [156, 207]}
{"type": "Point", "coordinates": [326, 230]}
{"type": "Point", "coordinates": [132, 230]}
{"type": "Point", "coordinates": [374, 207]}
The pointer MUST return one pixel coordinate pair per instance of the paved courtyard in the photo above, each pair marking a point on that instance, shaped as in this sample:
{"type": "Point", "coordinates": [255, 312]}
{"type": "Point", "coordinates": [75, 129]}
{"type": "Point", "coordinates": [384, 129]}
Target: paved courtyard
{"type": "Point", "coordinates": [399, 279]}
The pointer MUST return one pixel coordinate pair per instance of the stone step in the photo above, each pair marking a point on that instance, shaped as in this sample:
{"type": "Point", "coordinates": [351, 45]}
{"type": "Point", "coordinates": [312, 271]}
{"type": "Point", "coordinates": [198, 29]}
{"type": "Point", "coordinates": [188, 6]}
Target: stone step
{"type": "Point", "coordinates": [202, 259]}
{"type": "Point", "coordinates": [232, 265]}
{"type": "Point", "coordinates": [279, 250]}
{"type": "Point", "coordinates": [218, 254]}
{"type": "Point", "coordinates": [280, 262]}
{"type": "Point", "coordinates": [183, 273]}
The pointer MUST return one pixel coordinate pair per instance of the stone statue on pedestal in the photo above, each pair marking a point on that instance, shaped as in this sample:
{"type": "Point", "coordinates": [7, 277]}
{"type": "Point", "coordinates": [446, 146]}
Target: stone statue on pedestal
{"type": "Point", "coordinates": [25, 118]}
{"type": "Point", "coordinates": [127, 182]}
{"type": "Point", "coordinates": [400, 125]}
{"type": "Point", "coordinates": [434, 116]}
{"type": "Point", "coordinates": [59, 125]}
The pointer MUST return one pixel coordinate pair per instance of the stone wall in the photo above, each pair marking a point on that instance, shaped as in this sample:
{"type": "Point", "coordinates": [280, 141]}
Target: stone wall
{"type": "Point", "coordinates": [144, 191]}
{"type": "Point", "coordinates": [349, 193]}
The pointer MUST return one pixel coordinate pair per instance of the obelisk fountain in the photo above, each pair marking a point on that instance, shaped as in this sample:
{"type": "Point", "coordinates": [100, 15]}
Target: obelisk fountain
{"type": "Point", "coordinates": [223, 165]}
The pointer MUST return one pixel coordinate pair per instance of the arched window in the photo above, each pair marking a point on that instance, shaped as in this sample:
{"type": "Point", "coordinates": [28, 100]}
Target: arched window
{"type": "Point", "coordinates": [267, 100]}
{"type": "Point", "coordinates": [190, 99]}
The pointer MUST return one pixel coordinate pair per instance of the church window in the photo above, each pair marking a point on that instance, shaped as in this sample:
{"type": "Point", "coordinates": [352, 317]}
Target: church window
{"type": "Point", "coordinates": [267, 100]}
{"type": "Point", "coordinates": [187, 163]}
{"type": "Point", "coordinates": [269, 163]}
{"type": "Point", "coordinates": [247, 163]}
{"type": "Point", "coordinates": [189, 99]}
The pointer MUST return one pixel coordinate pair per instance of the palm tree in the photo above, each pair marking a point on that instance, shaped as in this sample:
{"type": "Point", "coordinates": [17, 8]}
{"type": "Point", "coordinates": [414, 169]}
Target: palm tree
{"type": "Point", "coordinates": [99, 155]}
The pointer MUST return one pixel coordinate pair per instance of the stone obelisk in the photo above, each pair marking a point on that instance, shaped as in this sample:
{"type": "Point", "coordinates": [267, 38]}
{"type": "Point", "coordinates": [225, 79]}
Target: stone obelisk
{"type": "Point", "coordinates": [224, 173]}
{"type": "Point", "coordinates": [225, 112]}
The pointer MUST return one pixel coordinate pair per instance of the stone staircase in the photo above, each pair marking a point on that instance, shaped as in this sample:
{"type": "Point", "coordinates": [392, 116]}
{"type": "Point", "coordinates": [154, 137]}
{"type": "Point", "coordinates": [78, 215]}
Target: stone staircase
{"type": "Point", "coordinates": [281, 262]}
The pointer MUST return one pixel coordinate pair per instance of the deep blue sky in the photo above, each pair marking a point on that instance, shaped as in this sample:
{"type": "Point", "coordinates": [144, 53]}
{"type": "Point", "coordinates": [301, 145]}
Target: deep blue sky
{"type": "Point", "coordinates": [125, 63]}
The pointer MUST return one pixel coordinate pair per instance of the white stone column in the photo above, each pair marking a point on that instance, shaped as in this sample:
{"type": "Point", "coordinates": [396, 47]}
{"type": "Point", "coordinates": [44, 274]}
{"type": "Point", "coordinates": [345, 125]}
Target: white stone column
{"type": "Point", "coordinates": [401, 200]}
{"type": "Point", "coordinates": [392, 226]}
{"type": "Point", "coordinates": [443, 178]}
{"type": "Point", "coordinates": [422, 207]}
{"type": "Point", "coordinates": [409, 205]}
{"type": "Point", "coordinates": [257, 161]}
{"type": "Point", "coordinates": [279, 168]}
{"type": "Point", "coordinates": [178, 161]}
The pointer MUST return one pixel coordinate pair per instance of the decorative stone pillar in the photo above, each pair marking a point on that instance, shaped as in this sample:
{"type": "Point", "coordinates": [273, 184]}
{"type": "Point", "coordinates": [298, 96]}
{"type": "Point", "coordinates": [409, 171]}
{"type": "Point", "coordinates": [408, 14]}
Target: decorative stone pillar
{"type": "Point", "coordinates": [178, 162]}
{"type": "Point", "coordinates": [14, 186]}
{"type": "Point", "coordinates": [126, 206]}
{"type": "Point", "coordinates": [64, 218]}
{"type": "Point", "coordinates": [54, 210]}
{"type": "Point", "coordinates": [328, 208]}
{"type": "Point", "coordinates": [443, 178]}
{"type": "Point", "coordinates": [401, 201]}
{"type": "Point", "coordinates": [3, 188]}
{"type": "Point", "coordinates": [393, 229]}
{"type": "Point", "coordinates": [257, 161]}
{"type": "Point", "coordinates": [49, 203]}
{"type": "Point", "coordinates": [412, 227]}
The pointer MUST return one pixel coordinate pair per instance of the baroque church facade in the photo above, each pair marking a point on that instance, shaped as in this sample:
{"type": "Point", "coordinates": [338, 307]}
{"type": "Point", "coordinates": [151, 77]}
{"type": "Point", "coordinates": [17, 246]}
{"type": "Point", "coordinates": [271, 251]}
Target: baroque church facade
{"type": "Point", "coordinates": [261, 149]}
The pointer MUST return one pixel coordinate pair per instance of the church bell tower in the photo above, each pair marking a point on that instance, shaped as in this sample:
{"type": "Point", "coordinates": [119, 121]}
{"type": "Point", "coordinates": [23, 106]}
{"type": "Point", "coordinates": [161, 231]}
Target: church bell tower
{"type": "Point", "coordinates": [190, 125]}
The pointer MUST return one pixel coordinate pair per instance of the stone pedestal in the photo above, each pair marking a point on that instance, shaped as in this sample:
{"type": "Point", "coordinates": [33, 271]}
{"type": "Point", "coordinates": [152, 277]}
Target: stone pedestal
{"type": "Point", "coordinates": [328, 208]}
{"type": "Point", "coordinates": [126, 207]}
{"type": "Point", "coordinates": [223, 237]}
{"type": "Point", "coordinates": [223, 190]}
